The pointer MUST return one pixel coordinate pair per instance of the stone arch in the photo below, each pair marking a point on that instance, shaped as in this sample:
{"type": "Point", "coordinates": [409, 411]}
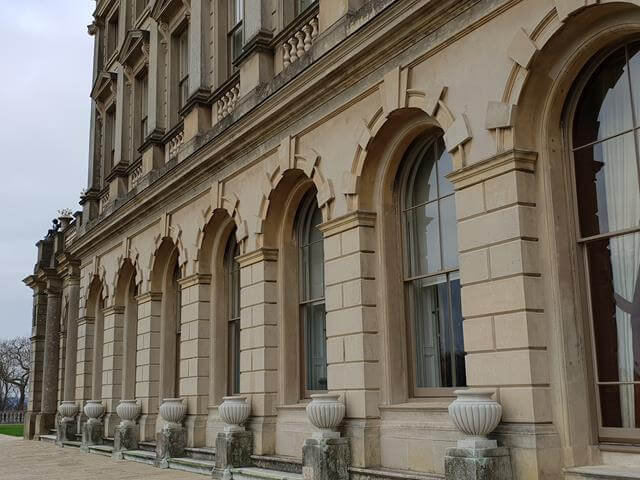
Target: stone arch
{"type": "Point", "coordinates": [543, 88]}
{"type": "Point", "coordinates": [305, 163]}
{"type": "Point", "coordinates": [503, 116]}
{"type": "Point", "coordinates": [402, 103]}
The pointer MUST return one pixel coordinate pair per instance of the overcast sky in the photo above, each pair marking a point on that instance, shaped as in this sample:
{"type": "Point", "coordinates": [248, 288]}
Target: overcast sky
{"type": "Point", "coordinates": [45, 79]}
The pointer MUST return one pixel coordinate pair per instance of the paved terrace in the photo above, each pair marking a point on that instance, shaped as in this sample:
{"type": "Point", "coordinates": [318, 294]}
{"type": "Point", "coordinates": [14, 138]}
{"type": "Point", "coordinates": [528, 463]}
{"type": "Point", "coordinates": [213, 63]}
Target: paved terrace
{"type": "Point", "coordinates": [27, 460]}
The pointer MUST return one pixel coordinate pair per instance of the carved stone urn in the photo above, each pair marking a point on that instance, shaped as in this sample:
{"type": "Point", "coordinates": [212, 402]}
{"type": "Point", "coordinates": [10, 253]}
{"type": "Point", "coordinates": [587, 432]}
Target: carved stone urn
{"type": "Point", "coordinates": [68, 410]}
{"type": "Point", "coordinates": [476, 415]}
{"type": "Point", "coordinates": [128, 411]}
{"type": "Point", "coordinates": [94, 409]}
{"type": "Point", "coordinates": [325, 412]}
{"type": "Point", "coordinates": [173, 411]}
{"type": "Point", "coordinates": [234, 411]}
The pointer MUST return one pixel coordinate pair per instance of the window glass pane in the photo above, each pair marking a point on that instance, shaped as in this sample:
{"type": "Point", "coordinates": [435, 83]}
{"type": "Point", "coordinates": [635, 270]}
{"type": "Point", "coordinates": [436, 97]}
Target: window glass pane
{"type": "Point", "coordinates": [445, 166]}
{"type": "Point", "coordinates": [459, 378]}
{"type": "Point", "coordinates": [614, 278]}
{"type": "Point", "coordinates": [316, 346]}
{"type": "Point", "coordinates": [620, 406]}
{"type": "Point", "coordinates": [423, 239]}
{"type": "Point", "coordinates": [449, 232]}
{"type": "Point", "coordinates": [634, 69]}
{"type": "Point", "coordinates": [316, 271]}
{"type": "Point", "coordinates": [605, 106]}
{"type": "Point", "coordinates": [607, 186]}
{"type": "Point", "coordinates": [237, 43]}
{"type": "Point", "coordinates": [422, 181]}
{"type": "Point", "coordinates": [234, 357]}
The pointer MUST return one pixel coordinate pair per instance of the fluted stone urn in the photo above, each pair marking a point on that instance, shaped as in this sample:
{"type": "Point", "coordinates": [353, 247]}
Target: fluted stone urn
{"type": "Point", "coordinates": [173, 411]}
{"type": "Point", "coordinates": [128, 411]}
{"type": "Point", "coordinates": [68, 410]}
{"type": "Point", "coordinates": [94, 410]}
{"type": "Point", "coordinates": [234, 411]}
{"type": "Point", "coordinates": [476, 415]}
{"type": "Point", "coordinates": [325, 412]}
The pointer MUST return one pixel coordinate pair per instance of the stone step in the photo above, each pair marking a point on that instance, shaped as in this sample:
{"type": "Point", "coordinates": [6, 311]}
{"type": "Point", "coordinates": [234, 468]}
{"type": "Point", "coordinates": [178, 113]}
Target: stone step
{"type": "Point", "coordinates": [278, 462]}
{"type": "Point", "coordinates": [356, 473]}
{"type": "Point", "coordinates": [602, 472]}
{"type": "Point", "coordinates": [72, 443]}
{"type": "Point", "coordinates": [147, 446]}
{"type": "Point", "coordinates": [53, 431]}
{"type": "Point", "coordinates": [255, 473]}
{"type": "Point", "coordinates": [201, 453]}
{"type": "Point", "coordinates": [193, 465]}
{"type": "Point", "coordinates": [108, 441]}
{"type": "Point", "coordinates": [48, 438]}
{"type": "Point", "coordinates": [142, 456]}
{"type": "Point", "coordinates": [105, 450]}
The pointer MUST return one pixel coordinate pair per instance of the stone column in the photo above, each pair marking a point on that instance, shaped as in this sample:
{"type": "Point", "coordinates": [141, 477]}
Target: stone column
{"type": "Point", "coordinates": [332, 11]}
{"type": "Point", "coordinates": [256, 63]}
{"type": "Point", "coordinates": [37, 355]}
{"type": "Point", "coordinates": [503, 301]}
{"type": "Point", "coordinates": [194, 355]}
{"type": "Point", "coordinates": [148, 362]}
{"type": "Point", "coordinates": [46, 418]}
{"type": "Point", "coordinates": [112, 366]}
{"type": "Point", "coordinates": [71, 339]}
{"type": "Point", "coordinates": [353, 366]}
{"type": "Point", "coordinates": [259, 343]}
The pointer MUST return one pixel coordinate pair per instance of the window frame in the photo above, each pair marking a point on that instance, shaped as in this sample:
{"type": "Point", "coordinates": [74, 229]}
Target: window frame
{"type": "Point", "coordinates": [235, 25]}
{"type": "Point", "coordinates": [232, 250]}
{"type": "Point", "coordinates": [605, 434]}
{"type": "Point", "coordinates": [302, 226]}
{"type": "Point", "coordinates": [112, 32]}
{"type": "Point", "coordinates": [412, 159]}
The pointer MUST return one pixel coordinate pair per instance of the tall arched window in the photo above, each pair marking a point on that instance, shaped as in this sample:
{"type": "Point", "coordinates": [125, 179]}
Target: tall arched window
{"type": "Point", "coordinates": [177, 303]}
{"type": "Point", "coordinates": [431, 277]}
{"type": "Point", "coordinates": [233, 315]}
{"type": "Point", "coordinates": [604, 136]}
{"type": "Point", "coordinates": [311, 296]}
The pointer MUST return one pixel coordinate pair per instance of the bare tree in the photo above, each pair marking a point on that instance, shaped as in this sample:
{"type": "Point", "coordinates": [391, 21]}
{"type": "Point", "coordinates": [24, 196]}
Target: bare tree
{"type": "Point", "coordinates": [15, 364]}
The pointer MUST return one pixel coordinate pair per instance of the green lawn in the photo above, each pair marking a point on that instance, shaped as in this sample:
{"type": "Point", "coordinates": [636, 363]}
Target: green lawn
{"type": "Point", "coordinates": [14, 430]}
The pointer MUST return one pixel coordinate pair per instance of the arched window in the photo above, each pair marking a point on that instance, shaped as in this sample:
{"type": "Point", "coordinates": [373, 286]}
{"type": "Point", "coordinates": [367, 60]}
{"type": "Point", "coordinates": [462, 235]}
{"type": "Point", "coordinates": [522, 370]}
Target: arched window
{"type": "Point", "coordinates": [177, 313]}
{"type": "Point", "coordinates": [311, 296]}
{"type": "Point", "coordinates": [431, 277]}
{"type": "Point", "coordinates": [233, 315]}
{"type": "Point", "coordinates": [604, 136]}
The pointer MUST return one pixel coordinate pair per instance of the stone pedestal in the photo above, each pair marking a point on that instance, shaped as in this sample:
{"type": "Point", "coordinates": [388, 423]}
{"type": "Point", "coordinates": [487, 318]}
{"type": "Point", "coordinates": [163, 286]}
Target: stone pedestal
{"type": "Point", "coordinates": [477, 464]}
{"type": "Point", "coordinates": [326, 459]}
{"type": "Point", "coordinates": [233, 450]}
{"type": "Point", "coordinates": [92, 434]}
{"type": "Point", "coordinates": [45, 422]}
{"type": "Point", "coordinates": [66, 430]}
{"type": "Point", "coordinates": [170, 443]}
{"type": "Point", "coordinates": [125, 438]}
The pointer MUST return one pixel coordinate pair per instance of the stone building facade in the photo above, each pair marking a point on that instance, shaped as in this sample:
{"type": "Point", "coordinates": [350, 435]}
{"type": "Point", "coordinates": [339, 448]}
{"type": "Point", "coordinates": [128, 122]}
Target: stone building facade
{"type": "Point", "coordinates": [292, 197]}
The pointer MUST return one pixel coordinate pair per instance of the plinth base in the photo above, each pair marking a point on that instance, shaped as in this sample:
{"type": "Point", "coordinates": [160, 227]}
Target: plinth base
{"type": "Point", "coordinates": [170, 443]}
{"type": "Point", "coordinates": [326, 459]}
{"type": "Point", "coordinates": [125, 437]}
{"type": "Point", "coordinates": [92, 434]}
{"type": "Point", "coordinates": [233, 450]}
{"type": "Point", "coordinates": [477, 464]}
{"type": "Point", "coordinates": [66, 431]}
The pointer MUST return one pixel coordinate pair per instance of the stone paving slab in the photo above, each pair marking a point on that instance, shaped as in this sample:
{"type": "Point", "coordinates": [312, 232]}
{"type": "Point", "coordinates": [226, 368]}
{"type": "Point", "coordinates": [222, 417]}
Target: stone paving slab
{"type": "Point", "coordinates": [30, 460]}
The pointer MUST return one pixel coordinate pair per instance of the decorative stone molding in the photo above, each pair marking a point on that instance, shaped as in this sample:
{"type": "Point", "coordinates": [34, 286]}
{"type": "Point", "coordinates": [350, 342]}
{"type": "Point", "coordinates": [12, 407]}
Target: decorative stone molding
{"type": "Point", "coordinates": [68, 409]}
{"type": "Point", "coordinates": [234, 411]}
{"type": "Point", "coordinates": [475, 414]}
{"type": "Point", "coordinates": [359, 218]}
{"type": "Point", "coordinates": [173, 411]}
{"type": "Point", "coordinates": [128, 411]}
{"type": "Point", "coordinates": [325, 412]}
{"type": "Point", "coordinates": [94, 410]}
{"type": "Point", "coordinates": [227, 100]}
{"type": "Point", "coordinates": [494, 166]}
{"type": "Point", "coordinates": [522, 48]}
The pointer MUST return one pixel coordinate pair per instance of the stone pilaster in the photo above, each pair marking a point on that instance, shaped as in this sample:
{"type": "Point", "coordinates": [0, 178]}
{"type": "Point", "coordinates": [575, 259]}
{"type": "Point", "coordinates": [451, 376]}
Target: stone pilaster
{"type": "Point", "coordinates": [353, 366]}
{"type": "Point", "coordinates": [259, 343]}
{"type": "Point", "coordinates": [84, 365]}
{"type": "Point", "coordinates": [148, 362]}
{"type": "Point", "coordinates": [71, 343]}
{"type": "Point", "coordinates": [46, 418]}
{"type": "Point", "coordinates": [37, 355]}
{"type": "Point", "coordinates": [194, 355]}
{"type": "Point", "coordinates": [503, 298]}
{"type": "Point", "coordinates": [112, 366]}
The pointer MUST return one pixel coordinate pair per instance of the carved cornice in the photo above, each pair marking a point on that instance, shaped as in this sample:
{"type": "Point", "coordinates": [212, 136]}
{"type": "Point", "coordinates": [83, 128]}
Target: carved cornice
{"type": "Point", "coordinates": [359, 218]}
{"type": "Point", "coordinates": [119, 170]}
{"type": "Point", "coordinates": [104, 87]}
{"type": "Point", "coordinates": [166, 10]}
{"type": "Point", "coordinates": [133, 49]}
{"type": "Point", "coordinates": [199, 98]}
{"type": "Point", "coordinates": [493, 166]}
{"type": "Point", "coordinates": [260, 42]}
{"type": "Point", "coordinates": [259, 255]}
{"type": "Point", "coordinates": [155, 137]}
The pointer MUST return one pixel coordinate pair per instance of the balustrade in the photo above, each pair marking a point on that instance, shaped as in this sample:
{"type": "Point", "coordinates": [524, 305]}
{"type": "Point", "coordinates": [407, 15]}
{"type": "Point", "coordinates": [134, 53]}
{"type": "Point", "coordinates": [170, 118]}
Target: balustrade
{"type": "Point", "coordinates": [134, 175]}
{"type": "Point", "coordinates": [300, 41]}
{"type": "Point", "coordinates": [174, 144]}
{"type": "Point", "coordinates": [227, 101]}
{"type": "Point", "coordinates": [11, 416]}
